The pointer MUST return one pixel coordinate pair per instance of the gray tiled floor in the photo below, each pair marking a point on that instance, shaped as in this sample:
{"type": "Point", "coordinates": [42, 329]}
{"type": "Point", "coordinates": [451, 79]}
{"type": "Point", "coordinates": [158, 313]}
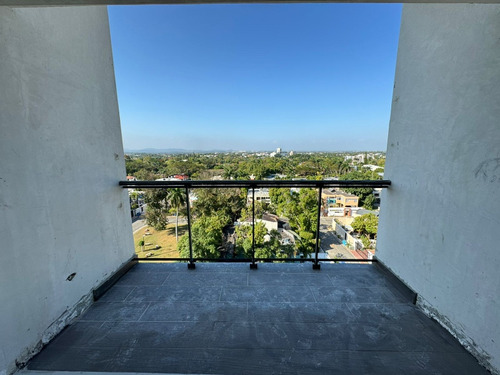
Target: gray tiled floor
{"type": "Point", "coordinates": [279, 319]}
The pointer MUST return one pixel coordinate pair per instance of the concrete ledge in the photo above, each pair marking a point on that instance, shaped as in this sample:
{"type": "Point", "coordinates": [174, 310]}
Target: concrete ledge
{"type": "Point", "coordinates": [396, 282]}
{"type": "Point", "coordinates": [38, 372]}
{"type": "Point", "coordinates": [110, 281]}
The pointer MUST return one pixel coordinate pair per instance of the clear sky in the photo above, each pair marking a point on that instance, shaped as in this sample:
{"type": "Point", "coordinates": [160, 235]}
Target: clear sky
{"type": "Point", "coordinates": [304, 77]}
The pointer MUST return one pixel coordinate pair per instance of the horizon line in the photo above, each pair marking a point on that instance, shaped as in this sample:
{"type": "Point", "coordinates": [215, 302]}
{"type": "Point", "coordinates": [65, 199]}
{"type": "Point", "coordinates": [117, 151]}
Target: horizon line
{"type": "Point", "coordinates": [187, 151]}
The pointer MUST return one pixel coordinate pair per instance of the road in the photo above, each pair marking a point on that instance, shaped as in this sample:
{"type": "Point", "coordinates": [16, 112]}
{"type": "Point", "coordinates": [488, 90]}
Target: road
{"type": "Point", "coordinates": [330, 243]}
{"type": "Point", "coordinates": [138, 224]}
{"type": "Point", "coordinates": [141, 223]}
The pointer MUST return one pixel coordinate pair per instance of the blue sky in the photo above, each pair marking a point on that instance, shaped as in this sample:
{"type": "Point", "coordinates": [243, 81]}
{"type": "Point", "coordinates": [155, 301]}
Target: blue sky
{"type": "Point", "coordinates": [304, 77]}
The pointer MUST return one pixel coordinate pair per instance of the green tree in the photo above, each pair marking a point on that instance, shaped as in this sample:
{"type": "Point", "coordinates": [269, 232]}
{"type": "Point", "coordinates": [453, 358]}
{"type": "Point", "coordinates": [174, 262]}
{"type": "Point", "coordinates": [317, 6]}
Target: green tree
{"type": "Point", "coordinates": [230, 171]}
{"type": "Point", "coordinates": [270, 248]}
{"type": "Point", "coordinates": [369, 202]}
{"type": "Point", "coordinates": [141, 244]}
{"type": "Point", "coordinates": [366, 225]}
{"type": "Point", "coordinates": [260, 208]}
{"type": "Point", "coordinates": [228, 202]}
{"type": "Point", "coordinates": [366, 242]}
{"type": "Point", "coordinates": [281, 199]}
{"type": "Point", "coordinates": [156, 213]}
{"type": "Point", "coordinates": [159, 202]}
{"type": "Point", "coordinates": [278, 250]}
{"type": "Point", "coordinates": [206, 237]}
{"type": "Point", "coordinates": [301, 209]}
{"type": "Point", "coordinates": [176, 198]}
{"type": "Point", "coordinates": [244, 238]}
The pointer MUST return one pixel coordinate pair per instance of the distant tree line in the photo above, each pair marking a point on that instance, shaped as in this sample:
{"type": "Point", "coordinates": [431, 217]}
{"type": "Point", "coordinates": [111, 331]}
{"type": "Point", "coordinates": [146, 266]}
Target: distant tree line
{"type": "Point", "coordinates": [241, 167]}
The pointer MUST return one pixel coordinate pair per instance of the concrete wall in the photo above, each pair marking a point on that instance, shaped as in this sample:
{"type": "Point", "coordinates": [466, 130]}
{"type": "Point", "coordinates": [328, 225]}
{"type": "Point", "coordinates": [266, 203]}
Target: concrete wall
{"type": "Point", "coordinates": [443, 157]}
{"type": "Point", "coordinates": [353, 242]}
{"type": "Point", "coordinates": [61, 157]}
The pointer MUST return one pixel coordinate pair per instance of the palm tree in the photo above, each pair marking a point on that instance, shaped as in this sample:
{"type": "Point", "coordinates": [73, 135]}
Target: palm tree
{"type": "Point", "coordinates": [176, 198]}
{"type": "Point", "coordinates": [229, 172]}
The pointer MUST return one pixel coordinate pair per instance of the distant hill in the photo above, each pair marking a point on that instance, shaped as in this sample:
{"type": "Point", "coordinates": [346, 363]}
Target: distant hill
{"type": "Point", "coordinates": [172, 151]}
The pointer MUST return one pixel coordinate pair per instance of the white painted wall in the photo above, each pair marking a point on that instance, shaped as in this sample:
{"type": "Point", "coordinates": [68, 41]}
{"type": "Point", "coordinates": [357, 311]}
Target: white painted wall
{"type": "Point", "coordinates": [440, 220]}
{"type": "Point", "coordinates": [61, 157]}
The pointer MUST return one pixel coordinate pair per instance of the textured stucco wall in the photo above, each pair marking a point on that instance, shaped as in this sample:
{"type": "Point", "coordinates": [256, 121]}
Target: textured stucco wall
{"type": "Point", "coordinates": [61, 157]}
{"type": "Point", "coordinates": [440, 220]}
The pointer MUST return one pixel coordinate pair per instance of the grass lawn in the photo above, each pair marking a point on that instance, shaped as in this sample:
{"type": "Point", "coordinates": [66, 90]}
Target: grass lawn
{"type": "Point", "coordinates": [163, 238]}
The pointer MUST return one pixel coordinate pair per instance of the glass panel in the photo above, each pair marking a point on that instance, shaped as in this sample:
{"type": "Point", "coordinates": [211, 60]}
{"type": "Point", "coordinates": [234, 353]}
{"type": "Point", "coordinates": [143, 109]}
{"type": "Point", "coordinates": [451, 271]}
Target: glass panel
{"type": "Point", "coordinates": [162, 223]}
{"type": "Point", "coordinates": [215, 213]}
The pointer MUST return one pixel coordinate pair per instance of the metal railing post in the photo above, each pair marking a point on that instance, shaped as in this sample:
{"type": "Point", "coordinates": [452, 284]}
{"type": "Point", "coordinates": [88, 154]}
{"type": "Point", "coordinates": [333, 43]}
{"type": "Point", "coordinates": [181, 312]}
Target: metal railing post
{"type": "Point", "coordinates": [191, 264]}
{"type": "Point", "coordinates": [316, 265]}
{"type": "Point", "coordinates": [253, 265]}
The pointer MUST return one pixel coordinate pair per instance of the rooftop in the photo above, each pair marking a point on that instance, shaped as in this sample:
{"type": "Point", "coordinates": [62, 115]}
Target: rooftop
{"type": "Point", "coordinates": [333, 192]}
{"type": "Point", "coordinates": [280, 318]}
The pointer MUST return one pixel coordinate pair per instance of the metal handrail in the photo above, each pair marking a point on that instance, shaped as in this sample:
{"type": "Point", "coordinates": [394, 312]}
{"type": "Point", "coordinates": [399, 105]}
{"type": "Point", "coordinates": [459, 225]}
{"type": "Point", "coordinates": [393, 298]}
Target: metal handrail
{"type": "Point", "coordinates": [257, 184]}
{"type": "Point", "coordinates": [253, 184]}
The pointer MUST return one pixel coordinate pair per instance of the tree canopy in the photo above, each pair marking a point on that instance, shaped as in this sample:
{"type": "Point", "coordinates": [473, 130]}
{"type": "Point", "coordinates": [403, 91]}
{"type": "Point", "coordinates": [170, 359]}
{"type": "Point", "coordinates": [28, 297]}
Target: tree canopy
{"type": "Point", "coordinates": [206, 237]}
{"type": "Point", "coordinates": [301, 209]}
{"type": "Point", "coordinates": [157, 211]}
{"type": "Point", "coordinates": [242, 166]}
{"type": "Point", "coordinates": [227, 202]}
{"type": "Point", "coordinates": [366, 225]}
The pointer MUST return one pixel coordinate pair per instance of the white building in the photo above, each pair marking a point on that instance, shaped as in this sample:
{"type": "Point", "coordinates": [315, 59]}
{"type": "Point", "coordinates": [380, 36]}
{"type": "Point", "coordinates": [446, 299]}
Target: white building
{"type": "Point", "coordinates": [261, 195]}
{"type": "Point", "coordinates": [372, 167]}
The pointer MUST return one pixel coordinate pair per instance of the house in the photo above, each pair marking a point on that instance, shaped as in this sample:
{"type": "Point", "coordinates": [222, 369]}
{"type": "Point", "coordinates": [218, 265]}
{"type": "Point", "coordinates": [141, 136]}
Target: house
{"type": "Point", "coordinates": [166, 179]}
{"type": "Point", "coordinates": [372, 167]}
{"type": "Point", "coordinates": [338, 203]}
{"type": "Point", "coordinates": [273, 222]}
{"type": "Point", "coordinates": [269, 220]}
{"type": "Point", "coordinates": [261, 195]}
{"type": "Point", "coordinates": [181, 177]}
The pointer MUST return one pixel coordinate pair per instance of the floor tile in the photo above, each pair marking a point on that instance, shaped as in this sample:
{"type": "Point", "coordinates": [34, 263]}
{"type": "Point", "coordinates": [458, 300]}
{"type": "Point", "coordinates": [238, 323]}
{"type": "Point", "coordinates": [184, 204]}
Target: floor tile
{"type": "Point", "coordinates": [114, 311]}
{"type": "Point", "coordinates": [195, 278]}
{"type": "Point", "coordinates": [267, 294]}
{"type": "Point", "coordinates": [142, 278]}
{"type": "Point", "coordinates": [195, 311]}
{"type": "Point", "coordinates": [288, 279]}
{"type": "Point", "coordinates": [174, 293]}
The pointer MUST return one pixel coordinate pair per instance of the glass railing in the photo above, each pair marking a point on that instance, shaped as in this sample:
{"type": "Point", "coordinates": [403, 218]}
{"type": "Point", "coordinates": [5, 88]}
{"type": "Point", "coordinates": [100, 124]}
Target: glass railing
{"type": "Point", "coordinates": [257, 221]}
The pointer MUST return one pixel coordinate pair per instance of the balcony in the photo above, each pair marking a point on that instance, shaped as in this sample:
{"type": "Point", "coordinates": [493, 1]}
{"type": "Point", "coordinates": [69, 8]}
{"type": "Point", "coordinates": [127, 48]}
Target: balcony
{"type": "Point", "coordinates": [279, 319]}
{"type": "Point", "coordinates": [65, 224]}
{"type": "Point", "coordinates": [194, 316]}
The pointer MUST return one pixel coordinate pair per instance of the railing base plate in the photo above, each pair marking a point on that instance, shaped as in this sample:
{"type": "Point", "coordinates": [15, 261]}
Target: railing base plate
{"type": "Point", "coordinates": [253, 266]}
{"type": "Point", "coordinates": [191, 266]}
{"type": "Point", "coordinates": [316, 266]}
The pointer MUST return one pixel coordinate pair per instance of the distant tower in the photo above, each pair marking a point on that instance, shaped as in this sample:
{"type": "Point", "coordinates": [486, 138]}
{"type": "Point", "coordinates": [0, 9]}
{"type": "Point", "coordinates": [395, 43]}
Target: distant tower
{"type": "Point", "coordinates": [291, 153]}
{"type": "Point", "coordinates": [278, 150]}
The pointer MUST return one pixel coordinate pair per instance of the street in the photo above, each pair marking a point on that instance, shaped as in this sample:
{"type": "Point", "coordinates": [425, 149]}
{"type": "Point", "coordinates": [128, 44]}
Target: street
{"type": "Point", "coordinates": [330, 243]}
{"type": "Point", "coordinates": [141, 222]}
